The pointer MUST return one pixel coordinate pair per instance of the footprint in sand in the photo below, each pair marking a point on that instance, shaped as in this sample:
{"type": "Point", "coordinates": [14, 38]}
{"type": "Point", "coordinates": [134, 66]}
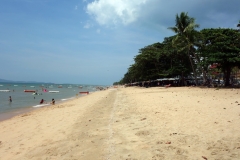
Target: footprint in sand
{"type": "Point", "coordinates": [158, 157]}
{"type": "Point", "coordinates": [221, 147]}
{"type": "Point", "coordinates": [188, 139]}
{"type": "Point", "coordinates": [159, 142]}
{"type": "Point", "coordinates": [176, 150]}
{"type": "Point", "coordinates": [142, 133]}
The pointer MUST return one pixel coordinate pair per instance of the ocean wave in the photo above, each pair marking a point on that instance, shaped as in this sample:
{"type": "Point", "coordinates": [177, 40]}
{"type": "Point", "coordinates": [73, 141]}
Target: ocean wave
{"type": "Point", "coordinates": [40, 105]}
{"type": "Point", "coordinates": [67, 99]}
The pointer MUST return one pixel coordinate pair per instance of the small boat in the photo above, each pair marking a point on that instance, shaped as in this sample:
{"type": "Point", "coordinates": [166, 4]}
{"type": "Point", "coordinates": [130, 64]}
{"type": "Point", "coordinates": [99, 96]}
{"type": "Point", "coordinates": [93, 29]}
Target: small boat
{"type": "Point", "coordinates": [53, 91]}
{"type": "Point", "coordinates": [4, 90]}
{"type": "Point", "coordinates": [60, 86]}
{"type": "Point", "coordinates": [29, 91]}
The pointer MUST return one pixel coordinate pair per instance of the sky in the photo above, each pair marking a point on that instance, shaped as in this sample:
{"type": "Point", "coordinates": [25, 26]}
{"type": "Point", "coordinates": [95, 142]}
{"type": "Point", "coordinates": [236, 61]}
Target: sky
{"type": "Point", "coordinates": [92, 41]}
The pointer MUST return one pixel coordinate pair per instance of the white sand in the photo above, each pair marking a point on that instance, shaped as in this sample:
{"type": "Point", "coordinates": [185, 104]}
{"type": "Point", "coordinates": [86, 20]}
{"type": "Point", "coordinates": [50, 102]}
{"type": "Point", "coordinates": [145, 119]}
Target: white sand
{"type": "Point", "coordinates": [130, 124]}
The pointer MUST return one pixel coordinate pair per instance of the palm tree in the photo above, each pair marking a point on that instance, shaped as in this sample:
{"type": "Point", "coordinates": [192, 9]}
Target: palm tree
{"type": "Point", "coordinates": [186, 37]}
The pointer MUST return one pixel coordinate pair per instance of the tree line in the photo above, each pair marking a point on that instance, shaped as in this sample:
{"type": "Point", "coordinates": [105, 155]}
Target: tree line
{"type": "Point", "coordinates": [189, 53]}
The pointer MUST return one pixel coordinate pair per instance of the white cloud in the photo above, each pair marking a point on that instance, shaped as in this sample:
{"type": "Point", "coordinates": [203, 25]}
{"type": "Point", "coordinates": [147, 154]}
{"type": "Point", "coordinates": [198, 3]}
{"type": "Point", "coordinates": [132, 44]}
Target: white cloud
{"type": "Point", "coordinates": [98, 31]}
{"type": "Point", "coordinates": [108, 12]}
{"type": "Point", "coordinates": [76, 7]}
{"type": "Point", "coordinates": [87, 25]}
{"type": "Point", "coordinates": [161, 13]}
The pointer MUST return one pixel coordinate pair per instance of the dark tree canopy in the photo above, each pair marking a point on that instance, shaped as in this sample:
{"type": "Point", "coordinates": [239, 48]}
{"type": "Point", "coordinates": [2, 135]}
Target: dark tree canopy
{"type": "Point", "coordinates": [187, 51]}
{"type": "Point", "coordinates": [222, 46]}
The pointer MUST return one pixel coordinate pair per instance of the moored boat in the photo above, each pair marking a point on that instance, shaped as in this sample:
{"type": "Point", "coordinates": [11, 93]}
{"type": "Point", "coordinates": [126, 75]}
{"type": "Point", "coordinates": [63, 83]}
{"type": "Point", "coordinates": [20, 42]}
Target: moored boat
{"type": "Point", "coordinates": [29, 91]}
{"type": "Point", "coordinates": [4, 90]}
{"type": "Point", "coordinates": [53, 91]}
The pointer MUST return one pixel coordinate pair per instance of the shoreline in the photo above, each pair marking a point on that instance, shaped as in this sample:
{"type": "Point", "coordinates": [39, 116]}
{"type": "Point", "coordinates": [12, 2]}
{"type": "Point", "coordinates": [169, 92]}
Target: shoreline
{"type": "Point", "coordinates": [8, 115]}
{"type": "Point", "coordinates": [130, 123]}
{"type": "Point", "coordinates": [26, 100]}
{"type": "Point", "coordinates": [19, 111]}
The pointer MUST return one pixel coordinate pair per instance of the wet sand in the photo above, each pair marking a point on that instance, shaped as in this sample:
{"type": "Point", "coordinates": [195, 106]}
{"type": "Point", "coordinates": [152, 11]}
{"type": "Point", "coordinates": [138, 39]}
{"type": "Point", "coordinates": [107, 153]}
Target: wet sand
{"type": "Point", "coordinates": [8, 115]}
{"type": "Point", "coordinates": [129, 123]}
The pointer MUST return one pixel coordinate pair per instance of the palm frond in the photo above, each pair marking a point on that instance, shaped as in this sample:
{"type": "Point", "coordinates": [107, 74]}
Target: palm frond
{"type": "Point", "coordinates": [174, 29]}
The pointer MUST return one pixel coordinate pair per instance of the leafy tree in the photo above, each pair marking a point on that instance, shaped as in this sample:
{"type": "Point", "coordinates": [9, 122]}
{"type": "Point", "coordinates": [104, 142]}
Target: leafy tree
{"type": "Point", "coordinates": [158, 60]}
{"type": "Point", "coordinates": [178, 59]}
{"type": "Point", "coordinates": [147, 62]}
{"type": "Point", "coordinates": [186, 37]}
{"type": "Point", "coordinates": [187, 50]}
{"type": "Point", "coordinates": [116, 83]}
{"type": "Point", "coordinates": [222, 46]}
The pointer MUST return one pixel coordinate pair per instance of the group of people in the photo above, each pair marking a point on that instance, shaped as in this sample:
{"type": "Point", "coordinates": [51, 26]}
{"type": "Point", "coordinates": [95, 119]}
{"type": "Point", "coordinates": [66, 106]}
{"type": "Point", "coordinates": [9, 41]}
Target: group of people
{"type": "Point", "coordinates": [42, 101]}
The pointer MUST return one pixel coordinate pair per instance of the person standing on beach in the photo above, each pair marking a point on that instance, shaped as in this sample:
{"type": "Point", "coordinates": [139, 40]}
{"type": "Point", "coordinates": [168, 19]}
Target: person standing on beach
{"type": "Point", "coordinates": [53, 101]}
{"type": "Point", "coordinates": [10, 99]}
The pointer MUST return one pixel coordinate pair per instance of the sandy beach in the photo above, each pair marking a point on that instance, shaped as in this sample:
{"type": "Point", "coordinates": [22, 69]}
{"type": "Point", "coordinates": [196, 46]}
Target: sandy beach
{"type": "Point", "coordinates": [184, 123]}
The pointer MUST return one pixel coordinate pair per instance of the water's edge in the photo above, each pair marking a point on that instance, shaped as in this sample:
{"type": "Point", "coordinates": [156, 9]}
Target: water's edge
{"type": "Point", "coordinates": [8, 115]}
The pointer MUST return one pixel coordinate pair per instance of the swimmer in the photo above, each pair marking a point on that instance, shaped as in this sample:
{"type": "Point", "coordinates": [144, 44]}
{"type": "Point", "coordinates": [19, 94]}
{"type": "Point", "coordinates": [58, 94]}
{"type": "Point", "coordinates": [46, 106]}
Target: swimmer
{"type": "Point", "coordinates": [53, 102]}
{"type": "Point", "coordinates": [10, 99]}
{"type": "Point", "coordinates": [42, 100]}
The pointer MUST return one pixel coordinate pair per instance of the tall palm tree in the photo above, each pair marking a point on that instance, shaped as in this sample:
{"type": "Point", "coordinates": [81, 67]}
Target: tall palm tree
{"type": "Point", "coordinates": [186, 37]}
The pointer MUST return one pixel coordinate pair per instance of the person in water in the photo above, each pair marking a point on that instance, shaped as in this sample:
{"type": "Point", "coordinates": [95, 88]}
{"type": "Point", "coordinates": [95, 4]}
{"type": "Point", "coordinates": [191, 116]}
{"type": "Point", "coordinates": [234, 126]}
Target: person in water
{"type": "Point", "coordinates": [10, 99]}
{"type": "Point", "coordinates": [53, 101]}
{"type": "Point", "coordinates": [42, 100]}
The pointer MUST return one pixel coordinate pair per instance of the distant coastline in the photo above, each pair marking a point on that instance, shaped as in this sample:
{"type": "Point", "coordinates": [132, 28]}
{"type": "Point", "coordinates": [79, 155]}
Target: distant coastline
{"type": "Point", "coordinates": [10, 81]}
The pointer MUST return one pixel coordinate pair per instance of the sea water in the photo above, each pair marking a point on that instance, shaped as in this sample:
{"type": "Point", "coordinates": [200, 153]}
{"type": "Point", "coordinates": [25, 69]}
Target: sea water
{"type": "Point", "coordinates": [27, 100]}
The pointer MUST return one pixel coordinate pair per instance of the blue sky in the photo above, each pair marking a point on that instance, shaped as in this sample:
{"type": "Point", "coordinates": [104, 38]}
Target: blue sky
{"type": "Point", "coordinates": [92, 41]}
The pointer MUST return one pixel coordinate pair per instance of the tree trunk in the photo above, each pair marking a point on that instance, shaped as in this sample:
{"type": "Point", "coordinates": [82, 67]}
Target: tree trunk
{"type": "Point", "coordinates": [194, 72]}
{"type": "Point", "coordinates": [204, 76]}
{"type": "Point", "coordinates": [227, 76]}
{"type": "Point", "coordinates": [182, 79]}
{"type": "Point", "coordinates": [202, 68]}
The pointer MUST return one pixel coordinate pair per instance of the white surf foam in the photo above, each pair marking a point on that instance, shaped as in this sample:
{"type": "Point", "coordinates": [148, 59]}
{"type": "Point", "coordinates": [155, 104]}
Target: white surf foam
{"type": "Point", "coordinates": [40, 105]}
{"type": "Point", "coordinates": [66, 99]}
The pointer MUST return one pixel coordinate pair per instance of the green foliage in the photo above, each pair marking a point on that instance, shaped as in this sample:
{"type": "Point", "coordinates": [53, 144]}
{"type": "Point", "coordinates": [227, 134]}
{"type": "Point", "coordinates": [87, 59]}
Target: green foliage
{"type": "Point", "coordinates": [158, 60]}
{"type": "Point", "coordinates": [221, 46]}
{"type": "Point", "coordinates": [189, 50]}
{"type": "Point", "coordinates": [186, 38]}
{"type": "Point", "coordinates": [116, 83]}
{"type": "Point", "coordinates": [184, 24]}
